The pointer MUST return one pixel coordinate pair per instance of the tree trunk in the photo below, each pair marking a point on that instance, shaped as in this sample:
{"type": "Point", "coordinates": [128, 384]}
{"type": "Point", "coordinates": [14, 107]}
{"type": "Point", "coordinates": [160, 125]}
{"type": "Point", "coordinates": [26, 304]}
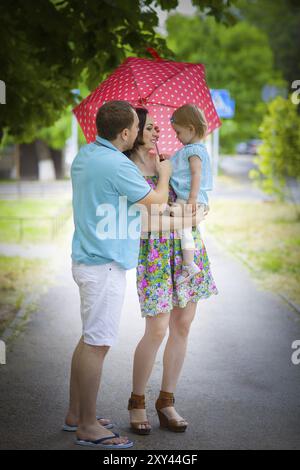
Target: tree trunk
{"type": "Point", "coordinates": [57, 158]}
{"type": "Point", "coordinates": [29, 161]}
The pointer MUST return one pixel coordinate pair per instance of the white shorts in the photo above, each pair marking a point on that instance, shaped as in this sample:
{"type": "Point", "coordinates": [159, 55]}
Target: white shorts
{"type": "Point", "coordinates": [102, 289]}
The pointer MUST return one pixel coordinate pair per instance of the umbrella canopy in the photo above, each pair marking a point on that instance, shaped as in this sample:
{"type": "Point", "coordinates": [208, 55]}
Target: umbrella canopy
{"type": "Point", "coordinates": [159, 85]}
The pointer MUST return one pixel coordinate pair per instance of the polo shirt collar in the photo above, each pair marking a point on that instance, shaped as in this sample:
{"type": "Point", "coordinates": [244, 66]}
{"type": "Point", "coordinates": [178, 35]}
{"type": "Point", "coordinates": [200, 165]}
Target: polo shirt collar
{"type": "Point", "coordinates": [106, 143]}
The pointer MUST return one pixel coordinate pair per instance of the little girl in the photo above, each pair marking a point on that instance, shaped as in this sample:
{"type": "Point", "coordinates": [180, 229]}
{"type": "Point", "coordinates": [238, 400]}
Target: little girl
{"type": "Point", "coordinates": [191, 178]}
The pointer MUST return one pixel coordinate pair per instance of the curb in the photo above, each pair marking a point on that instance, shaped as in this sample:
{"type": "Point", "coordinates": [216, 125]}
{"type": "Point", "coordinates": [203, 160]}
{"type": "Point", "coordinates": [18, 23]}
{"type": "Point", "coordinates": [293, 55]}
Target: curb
{"type": "Point", "coordinates": [20, 319]}
{"type": "Point", "coordinates": [290, 302]}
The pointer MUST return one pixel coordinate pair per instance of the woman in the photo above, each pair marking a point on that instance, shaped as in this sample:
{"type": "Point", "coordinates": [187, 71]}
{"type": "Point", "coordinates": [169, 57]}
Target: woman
{"type": "Point", "coordinates": [163, 304]}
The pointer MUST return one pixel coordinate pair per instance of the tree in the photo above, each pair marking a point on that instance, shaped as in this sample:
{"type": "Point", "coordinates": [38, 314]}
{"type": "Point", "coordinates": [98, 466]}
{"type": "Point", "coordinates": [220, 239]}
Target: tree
{"type": "Point", "coordinates": [238, 59]}
{"type": "Point", "coordinates": [55, 137]}
{"type": "Point", "coordinates": [47, 45]}
{"type": "Point", "coordinates": [281, 22]}
{"type": "Point", "coordinates": [279, 155]}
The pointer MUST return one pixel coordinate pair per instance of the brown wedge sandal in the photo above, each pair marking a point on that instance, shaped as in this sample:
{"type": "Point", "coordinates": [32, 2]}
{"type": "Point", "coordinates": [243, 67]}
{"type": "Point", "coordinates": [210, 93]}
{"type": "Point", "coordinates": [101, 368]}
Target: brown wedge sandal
{"type": "Point", "coordinates": [138, 402]}
{"type": "Point", "coordinates": [165, 400]}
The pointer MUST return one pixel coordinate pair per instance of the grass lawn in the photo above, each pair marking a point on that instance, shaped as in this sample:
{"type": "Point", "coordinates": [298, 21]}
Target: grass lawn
{"type": "Point", "coordinates": [266, 236]}
{"type": "Point", "coordinates": [6, 181]}
{"type": "Point", "coordinates": [38, 228]}
{"type": "Point", "coordinates": [18, 278]}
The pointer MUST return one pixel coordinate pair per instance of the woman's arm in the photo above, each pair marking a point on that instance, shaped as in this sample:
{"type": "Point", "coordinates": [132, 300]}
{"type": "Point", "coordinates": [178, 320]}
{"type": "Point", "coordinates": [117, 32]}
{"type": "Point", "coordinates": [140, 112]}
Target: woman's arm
{"type": "Point", "coordinates": [166, 223]}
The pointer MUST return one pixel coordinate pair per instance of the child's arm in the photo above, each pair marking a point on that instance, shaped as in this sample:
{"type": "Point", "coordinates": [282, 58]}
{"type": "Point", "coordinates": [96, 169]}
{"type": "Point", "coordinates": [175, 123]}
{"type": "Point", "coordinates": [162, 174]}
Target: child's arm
{"type": "Point", "coordinates": [195, 168]}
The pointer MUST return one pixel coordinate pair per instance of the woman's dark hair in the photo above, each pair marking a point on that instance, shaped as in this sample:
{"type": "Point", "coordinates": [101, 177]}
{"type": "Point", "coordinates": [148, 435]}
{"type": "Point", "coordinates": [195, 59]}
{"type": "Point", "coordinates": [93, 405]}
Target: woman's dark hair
{"type": "Point", "coordinates": [142, 115]}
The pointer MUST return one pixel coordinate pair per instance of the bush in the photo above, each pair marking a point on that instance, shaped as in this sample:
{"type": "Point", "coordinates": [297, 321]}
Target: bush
{"type": "Point", "coordinates": [279, 155]}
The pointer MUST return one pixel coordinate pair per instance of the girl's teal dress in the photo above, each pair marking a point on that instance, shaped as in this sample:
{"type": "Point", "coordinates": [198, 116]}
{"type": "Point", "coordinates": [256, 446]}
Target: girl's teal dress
{"type": "Point", "coordinates": [159, 264]}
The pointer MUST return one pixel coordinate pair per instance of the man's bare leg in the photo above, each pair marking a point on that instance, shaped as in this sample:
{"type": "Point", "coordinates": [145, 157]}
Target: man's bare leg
{"type": "Point", "coordinates": [73, 412]}
{"type": "Point", "coordinates": [72, 416]}
{"type": "Point", "coordinates": [90, 363]}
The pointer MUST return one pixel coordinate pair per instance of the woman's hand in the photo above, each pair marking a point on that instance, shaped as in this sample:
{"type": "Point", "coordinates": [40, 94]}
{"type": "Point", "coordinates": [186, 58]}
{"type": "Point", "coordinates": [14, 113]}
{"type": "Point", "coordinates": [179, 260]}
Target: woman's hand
{"type": "Point", "coordinates": [168, 223]}
{"type": "Point", "coordinates": [163, 167]}
{"type": "Point", "coordinates": [199, 216]}
{"type": "Point", "coordinates": [163, 156]}
{"type": "Point", "coordinates": [188, 210]}
{"type": "Point", "coordinates": [192, 205]}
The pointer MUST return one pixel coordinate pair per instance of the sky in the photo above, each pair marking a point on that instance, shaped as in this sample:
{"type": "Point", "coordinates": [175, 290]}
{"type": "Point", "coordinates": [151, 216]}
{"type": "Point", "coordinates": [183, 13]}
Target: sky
{"type": "Point", "coordinates": [184, 6]}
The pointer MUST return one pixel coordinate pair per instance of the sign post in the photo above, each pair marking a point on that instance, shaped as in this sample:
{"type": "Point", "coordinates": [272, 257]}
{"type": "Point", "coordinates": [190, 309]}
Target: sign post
{"type": "Point", "coordinates": [225, 107]}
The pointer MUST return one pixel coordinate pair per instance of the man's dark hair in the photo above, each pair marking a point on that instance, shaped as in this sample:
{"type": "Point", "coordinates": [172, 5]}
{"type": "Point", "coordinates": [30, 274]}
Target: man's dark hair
{"type": "Point", "coordinates": [113, 117]}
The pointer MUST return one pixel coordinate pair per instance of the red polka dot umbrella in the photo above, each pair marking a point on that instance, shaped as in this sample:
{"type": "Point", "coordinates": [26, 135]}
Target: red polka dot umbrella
{"type": "Point", "coordinates": [159, 85]}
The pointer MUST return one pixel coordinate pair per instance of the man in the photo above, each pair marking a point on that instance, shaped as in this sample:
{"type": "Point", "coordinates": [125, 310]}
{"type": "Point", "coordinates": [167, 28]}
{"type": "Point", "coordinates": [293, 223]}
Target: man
{"type": "Point", "coordinates": [101, 174]}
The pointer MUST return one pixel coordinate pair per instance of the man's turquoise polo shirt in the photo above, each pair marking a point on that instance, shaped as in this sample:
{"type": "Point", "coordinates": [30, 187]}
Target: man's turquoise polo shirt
{"type": "Point", "coordinates": [105, 185]}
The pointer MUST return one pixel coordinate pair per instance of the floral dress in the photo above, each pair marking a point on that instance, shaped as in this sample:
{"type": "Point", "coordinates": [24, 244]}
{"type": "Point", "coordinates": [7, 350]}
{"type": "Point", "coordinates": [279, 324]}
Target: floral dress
{"type": "Point", "coordinates": [160, 262]}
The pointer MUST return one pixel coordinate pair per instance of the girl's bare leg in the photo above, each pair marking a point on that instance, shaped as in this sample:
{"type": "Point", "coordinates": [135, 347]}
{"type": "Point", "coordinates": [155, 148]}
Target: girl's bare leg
{"type": "Point", "coordinates": [188, 256]}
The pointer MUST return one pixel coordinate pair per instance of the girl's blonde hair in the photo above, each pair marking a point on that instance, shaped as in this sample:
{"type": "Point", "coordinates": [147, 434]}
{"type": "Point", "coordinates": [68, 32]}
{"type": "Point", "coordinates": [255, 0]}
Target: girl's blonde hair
{"type": "Point", "coordinates": [190, 115]}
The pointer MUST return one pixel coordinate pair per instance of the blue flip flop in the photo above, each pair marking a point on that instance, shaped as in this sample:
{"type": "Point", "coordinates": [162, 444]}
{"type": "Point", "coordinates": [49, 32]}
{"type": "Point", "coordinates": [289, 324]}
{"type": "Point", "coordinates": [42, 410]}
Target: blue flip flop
{"type": "Point", "coordinates": [99, 443]}
{"type": "Point", "coordinates": [68, 428]}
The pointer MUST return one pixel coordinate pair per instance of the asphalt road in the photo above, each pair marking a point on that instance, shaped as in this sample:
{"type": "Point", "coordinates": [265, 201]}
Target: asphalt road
{"type": "Point", "coordinates": [238, 168]}
{"type": "Point", "coordinates": [239, 388]}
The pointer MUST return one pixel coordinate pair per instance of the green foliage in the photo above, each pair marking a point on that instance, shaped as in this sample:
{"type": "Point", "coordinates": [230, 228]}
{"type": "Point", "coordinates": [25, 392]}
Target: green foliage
{"type": "Point", "coordinates": [56, 135]}
{"type": "Point", "coordinates": [280, 20]}
{"type": "Point", "coordinates": [237, 58]}
{"type": "Point", "coordinates": [223, 11]}
{"type": "Point", "coordinates": [279, 155]}
{"type": "Point", "coordinates": [47, 46]}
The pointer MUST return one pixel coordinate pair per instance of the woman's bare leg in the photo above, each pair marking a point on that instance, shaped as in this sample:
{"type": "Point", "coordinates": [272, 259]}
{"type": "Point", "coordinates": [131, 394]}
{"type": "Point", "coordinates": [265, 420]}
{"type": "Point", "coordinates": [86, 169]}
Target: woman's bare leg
{"type": "Point", "coordinates": [144, 357]}
{"type": "Point", "coordinates": [175, 351]}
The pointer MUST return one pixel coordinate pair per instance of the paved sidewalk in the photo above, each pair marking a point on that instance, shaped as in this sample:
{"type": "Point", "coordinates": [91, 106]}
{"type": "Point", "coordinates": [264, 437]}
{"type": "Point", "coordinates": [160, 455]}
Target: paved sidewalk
{"type": "Point", "coordinates": [238, 167]}
{"type": "Point", "coordinates": [238, 389]}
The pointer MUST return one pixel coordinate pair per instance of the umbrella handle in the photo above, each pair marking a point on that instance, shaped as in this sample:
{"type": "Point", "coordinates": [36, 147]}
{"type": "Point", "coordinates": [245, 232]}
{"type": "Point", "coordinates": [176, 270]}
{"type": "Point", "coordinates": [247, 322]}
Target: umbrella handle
{"type": "Point", "coordinates": [154, 53]}
{"type": "Point", "coordinates": [157, 150]}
